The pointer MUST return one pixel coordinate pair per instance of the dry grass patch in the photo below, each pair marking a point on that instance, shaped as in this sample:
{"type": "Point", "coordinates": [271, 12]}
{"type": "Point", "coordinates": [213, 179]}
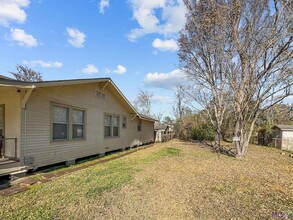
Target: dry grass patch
{"type": "Point", "coordinates": [174, 180]}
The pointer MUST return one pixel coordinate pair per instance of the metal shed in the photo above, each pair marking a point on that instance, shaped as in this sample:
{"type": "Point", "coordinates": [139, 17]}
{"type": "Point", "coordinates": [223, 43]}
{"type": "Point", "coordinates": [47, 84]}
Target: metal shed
{"type": "Point", "coordinates": [282, 137]}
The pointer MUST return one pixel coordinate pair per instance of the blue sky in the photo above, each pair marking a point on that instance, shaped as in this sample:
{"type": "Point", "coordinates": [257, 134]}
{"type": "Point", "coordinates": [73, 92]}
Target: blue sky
{"type": "Point", "coordinates": [133, 42]}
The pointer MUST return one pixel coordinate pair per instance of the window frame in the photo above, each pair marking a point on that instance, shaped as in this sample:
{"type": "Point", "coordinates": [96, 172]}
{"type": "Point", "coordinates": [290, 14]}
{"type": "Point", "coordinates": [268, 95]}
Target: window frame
{"type": "Point", "coordinates": [139, 125]}
{"type": "Point", "coordinates": [118, 125]}
{"type": "Point", "coordinates": [124, 117]}
{"type": "Point", "coordinates": [83, 124]}
{"type": "Point", "coordinates": [112, 125]}
{"type": "Point", "coordinates": [108, 136]}
{"type": "Point", "coordinates": [69, 123]}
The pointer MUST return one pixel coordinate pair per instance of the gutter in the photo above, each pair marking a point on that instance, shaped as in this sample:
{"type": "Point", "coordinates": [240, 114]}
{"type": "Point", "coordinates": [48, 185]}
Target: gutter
{"type": "Point", "coordinates": [19, 87]}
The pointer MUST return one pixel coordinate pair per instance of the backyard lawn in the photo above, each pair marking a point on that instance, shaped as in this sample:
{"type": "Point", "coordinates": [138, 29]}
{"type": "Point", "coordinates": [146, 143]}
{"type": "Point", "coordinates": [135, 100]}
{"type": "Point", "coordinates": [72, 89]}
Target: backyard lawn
{"type": "Point", "coordinates": [174, 180]}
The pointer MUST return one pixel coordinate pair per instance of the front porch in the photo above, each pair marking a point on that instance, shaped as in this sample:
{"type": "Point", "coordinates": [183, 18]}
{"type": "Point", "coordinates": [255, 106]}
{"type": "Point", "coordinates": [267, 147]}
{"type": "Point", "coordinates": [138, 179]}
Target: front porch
{"type": "Point", "coordinates": [9, 159]}
{"type": "Point", "coordinates": [8, 149]}
{"type": "Point", "coordinates": [10, 130]}
{"type": "Point", "coordinates": [13, 98]}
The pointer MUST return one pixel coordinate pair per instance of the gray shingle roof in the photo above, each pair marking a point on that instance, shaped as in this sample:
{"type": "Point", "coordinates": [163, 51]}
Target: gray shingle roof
{"type": "Point", "coordinates": [159, 126]}
{"type": "Point", "coordinates": [285, 127]}
{"type": "Point", "coordinates": [6, 81]}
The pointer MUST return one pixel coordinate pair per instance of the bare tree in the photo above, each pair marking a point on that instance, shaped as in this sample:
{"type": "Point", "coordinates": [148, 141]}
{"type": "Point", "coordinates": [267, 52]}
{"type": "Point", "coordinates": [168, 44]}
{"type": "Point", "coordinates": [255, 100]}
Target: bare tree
{"type": "Point", "coordinates": [143, 102]}
{"type": "Point", "coordinates": [180, 108]}
{"type": "Point", "coordinates": [279, 114]}
{"type": "Point", "coordinates": [26, 74]}
{"type": "Point", "coordinates": [177, 108]}
{"type": "Point", "coordinates": [158, 116]}
{"type": "Point", "coordinates": [202, 47]}
{"type": "Point", "coordinates": [168, 121]}
{"type": "Point", "coordinates": [238, 54]}
{"type": "Point", "coordinates": [264, 63]}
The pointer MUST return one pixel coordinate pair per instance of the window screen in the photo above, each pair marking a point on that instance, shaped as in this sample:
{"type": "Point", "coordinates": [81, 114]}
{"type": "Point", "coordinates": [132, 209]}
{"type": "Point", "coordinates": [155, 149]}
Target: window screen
{"type": "Point", "coordinates": [60, 122]}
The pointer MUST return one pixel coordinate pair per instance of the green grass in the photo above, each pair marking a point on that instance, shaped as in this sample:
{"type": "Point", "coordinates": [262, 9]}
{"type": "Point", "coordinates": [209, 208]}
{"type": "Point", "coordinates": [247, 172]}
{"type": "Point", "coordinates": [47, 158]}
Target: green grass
{"type": "Point", "coordinates": [173, 180]}
{"type": "Point", "coordinates": [46, 201]}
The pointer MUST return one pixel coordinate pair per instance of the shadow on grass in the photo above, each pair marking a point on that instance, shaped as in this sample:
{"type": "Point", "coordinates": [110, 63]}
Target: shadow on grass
{"type": "Point", "coordinates": [226, 150]}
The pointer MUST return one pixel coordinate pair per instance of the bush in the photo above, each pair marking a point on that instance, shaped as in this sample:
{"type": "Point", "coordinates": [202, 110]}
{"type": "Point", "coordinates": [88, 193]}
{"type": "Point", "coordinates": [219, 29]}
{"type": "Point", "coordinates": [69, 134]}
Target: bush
{"type": "Point", "coordinates": [194, 127]}
{"type": "Point", "coordinates": [204, 132]}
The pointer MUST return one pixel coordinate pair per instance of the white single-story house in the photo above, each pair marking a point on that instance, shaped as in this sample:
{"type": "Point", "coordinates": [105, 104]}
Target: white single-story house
{"type": "Point", "coordinates": [163, 132]}
{"type": "Point", "coordinates": [282, 137]}
{"type": "Point", "coordinates": [44, 123]}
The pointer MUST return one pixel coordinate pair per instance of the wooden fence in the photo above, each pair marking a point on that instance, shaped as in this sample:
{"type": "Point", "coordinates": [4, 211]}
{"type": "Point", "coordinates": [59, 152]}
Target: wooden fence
{"type": "Point", "coordinates": [282, 143]}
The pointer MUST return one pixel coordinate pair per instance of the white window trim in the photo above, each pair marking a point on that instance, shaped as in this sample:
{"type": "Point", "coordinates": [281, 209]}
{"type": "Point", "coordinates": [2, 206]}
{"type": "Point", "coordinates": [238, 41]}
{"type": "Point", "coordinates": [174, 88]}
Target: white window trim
{"type": "Point", "coordinates": [112, 127]}
{"type": "Point", "coordinates": [125, 122]}
{"type": "Point", "coordinates": [69, 123]}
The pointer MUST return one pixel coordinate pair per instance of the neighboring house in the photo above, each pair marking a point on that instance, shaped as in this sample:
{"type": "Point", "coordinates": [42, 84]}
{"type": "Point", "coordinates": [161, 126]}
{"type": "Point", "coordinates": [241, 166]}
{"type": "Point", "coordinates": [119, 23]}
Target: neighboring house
{"type": "Point", "coordinates": [48, 122]}
{"type": "Point", "coordinates": [163, 132]}
{"type": "Point", "coordinates": [282, 137]}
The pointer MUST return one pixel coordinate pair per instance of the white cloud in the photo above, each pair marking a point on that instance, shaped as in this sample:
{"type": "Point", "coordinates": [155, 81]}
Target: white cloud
{"type": "Point", "coordinates": [44, 64]}
{"type": "Point", "coordinates": [103, 4]}
{"type": "Point", "coordinates": [147, 13]}
{"type": "Point", "coordinates": [120, 69]}
{"type": "Point", "coordinates": [90, 69]}
{"type": "Point", "coordinates": [165, 45]}
{"type": "Point", "coordinates": [12, 11]}
{"type": "Point", "coordinates": [162, 99]}
{"type": "Point", "coordinates": [165, 80]}
{"type": "Point", "coordinates": [22, 38]}
{"type": "Point", "coordinates": [76, 38]}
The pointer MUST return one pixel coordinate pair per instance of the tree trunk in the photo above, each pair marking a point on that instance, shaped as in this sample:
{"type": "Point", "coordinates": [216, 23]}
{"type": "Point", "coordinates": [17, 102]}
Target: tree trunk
{"type": "Point", "coordinates": [218, 139]}
{"type": "Point", "coordinates": [245, 135]}
{"type": "Point", "coordinates": [237, 134]}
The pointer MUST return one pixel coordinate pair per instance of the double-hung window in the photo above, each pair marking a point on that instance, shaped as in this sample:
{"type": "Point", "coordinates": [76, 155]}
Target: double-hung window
{"type": "Point", "coordinates": [68, 123]}
{"type": "Point", "coordinates": [108, 125]}
{"type": "Point", "coordinates": [139, 124]}
{"type": "Point", "coordinates": [115, 126]}
{"type": "Point", "coordinates": [111, 126]}
{"type": "Point", "coordinates": [60, 123]}
{"type": "Point", "coordinates": [77, 124]}
{"type": "Point", "coordinates": [124, 122]}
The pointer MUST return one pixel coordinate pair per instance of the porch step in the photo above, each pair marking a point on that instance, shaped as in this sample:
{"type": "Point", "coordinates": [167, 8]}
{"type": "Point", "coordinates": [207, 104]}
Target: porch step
{"type": "Point", "coordinates": [2, 160]}
{"type": "Point", "coordinates": [9, 164]}
{"type": "Point", "coordinates": [11, 170]}
{"type": "Point", "coordinates": [18, 174]}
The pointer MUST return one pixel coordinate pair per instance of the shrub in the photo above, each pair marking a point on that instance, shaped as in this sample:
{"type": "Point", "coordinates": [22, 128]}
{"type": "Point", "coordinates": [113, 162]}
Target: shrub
{"type": "Point", "coordinates": [194, 127]}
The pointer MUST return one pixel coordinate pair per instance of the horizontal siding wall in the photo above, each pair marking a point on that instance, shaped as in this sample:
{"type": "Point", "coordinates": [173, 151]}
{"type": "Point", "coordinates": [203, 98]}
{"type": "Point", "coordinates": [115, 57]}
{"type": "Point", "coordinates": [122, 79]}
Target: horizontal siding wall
{"type": "Point", "coordinates": [287, 140]}
{"type": "Point", "coordinates": [38, 133]}
{"type": "Point", "coordinates": [148, 132]}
